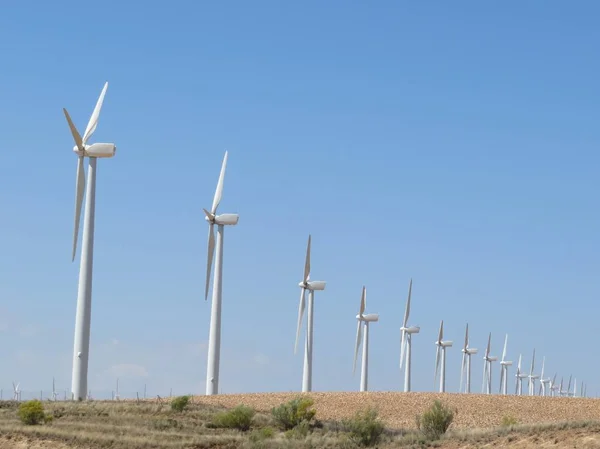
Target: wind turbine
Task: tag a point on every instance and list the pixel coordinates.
(574, 394)
(16, 392)
(532, 377)
(311, 286)
(54, 393)
(504, 364)
(84, 293)
(553, 386)
(561, 392)
(544, 382)
(441, 346)
(487, 368)
(214, 337)
(466, 362)
(405, 344)
(520, 376)
(366, 319)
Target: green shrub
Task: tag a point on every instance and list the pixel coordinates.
(365, 428)
(435, 421)
(180, 403)
(239, 418)
(264, 433)
(299, 432)
(509, 420)
(32, 412)
(292, 413)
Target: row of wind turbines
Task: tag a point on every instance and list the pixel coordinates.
(79, 386)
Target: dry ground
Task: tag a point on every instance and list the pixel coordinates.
(547, 422)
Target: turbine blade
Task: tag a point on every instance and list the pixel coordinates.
(363, 301)
(79, 189)
(307, 260)
(466, 338)
(357, 345)
(504, 350)
(487, 351)
(501, 379)
(74, 131)
(219, 190)
(437, 362)
(209, 261)
(407, 311)
(93, 123)
(300, 315)
(441, 333)
(532, 362)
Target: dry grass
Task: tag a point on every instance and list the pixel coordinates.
(149, 424)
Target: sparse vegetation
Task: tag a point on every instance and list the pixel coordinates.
(180, 403)
(509, 421)
(294, 413)
(32, 413)
(435, 421)
(365, 428)
(239, 418)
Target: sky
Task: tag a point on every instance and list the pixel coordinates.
(451, 143)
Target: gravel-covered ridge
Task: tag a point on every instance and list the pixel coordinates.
(398, 410)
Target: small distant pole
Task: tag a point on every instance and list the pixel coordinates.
(41, 393)
(144, 391)
(137, 395)
(170, 392)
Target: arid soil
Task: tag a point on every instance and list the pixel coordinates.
(398, 410)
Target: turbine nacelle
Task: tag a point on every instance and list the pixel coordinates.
(411, 330)
(491, 358)
(99, 150)
(446, 344)
(470, 351)
(313, 285)
(505, 363)
(369, 318)
(223, 219)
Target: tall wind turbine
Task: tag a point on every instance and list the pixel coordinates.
(366, 319)
(504, 364)
(532, 377)
(553, 386)
(544, 382)
(487, 368)
(311, 286)
(441, 346)
(466, 363)
(405, 344)
(520, 376)
(214, 337)
(84, 294)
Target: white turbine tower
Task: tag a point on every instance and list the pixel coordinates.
(16, 392)
(504, 364)
(311, 286)
(553, 386)
(544, 382)
(466, 363)
(520, 376)
(532, 377)
(487, 368)
(214, 337)
(441, 346)
(84, 293)
(406, 341)
(366, 319)
(574, 394)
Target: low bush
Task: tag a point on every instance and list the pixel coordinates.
(299, 432)
(264, 433)
(365, 428)
(508, 421)
(293, 413)
(180, 403)
(32, 413)
(239, 418)
(434, 422)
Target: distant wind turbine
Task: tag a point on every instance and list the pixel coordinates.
(406, 341)
(441, 345)
(544, 382)
(466, 363)
(363, 320)
(504, 364)
(532, 377)
(487, 368)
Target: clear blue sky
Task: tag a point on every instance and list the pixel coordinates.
(456, 144)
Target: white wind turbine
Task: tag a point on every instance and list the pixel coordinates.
(532, 377)
(487, 368)
(406, 341)
(553, 386)
(574, 394)
(84, 293)
(441, 345)
(311, 286)
(366, 319)
(544, 382)
(561, 392)
(54, 393)
(466, 363)
(520, 376)
(504, 364)
(214, 337)
(16, 392)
